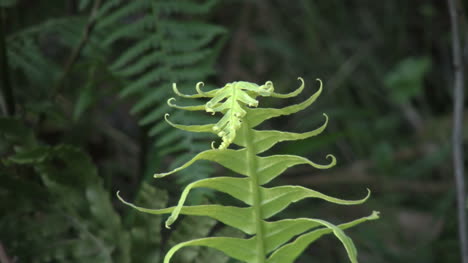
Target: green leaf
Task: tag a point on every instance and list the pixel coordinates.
(256, 116)
(291, 94)
(268, 167)
(207, 254)
(8, 3)
(264, 140)
(237, 248)
(145, 229)
(272, 166)
(279, 232)
(86, 98)
(186, 7)
(231, 159)
(191, 128)
(236, 187)
(190, 228)
(81, 221)
(289, 252)
(274, 199)
(134, 52)
(143, 64)
(170, 102)
(277, 198)
(240, 218)
(31, 155)
(120, 13)
(16, 132)
(83, 4)
(405, 81)
(152, 115)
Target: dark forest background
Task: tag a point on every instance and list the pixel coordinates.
(84, 91)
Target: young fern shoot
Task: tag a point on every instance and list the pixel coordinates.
(269, 241)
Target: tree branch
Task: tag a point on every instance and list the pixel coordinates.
(457, 136)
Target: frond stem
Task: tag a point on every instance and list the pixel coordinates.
(255, 186)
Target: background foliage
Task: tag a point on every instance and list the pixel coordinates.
(85, 85)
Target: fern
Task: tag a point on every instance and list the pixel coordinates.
(35, 70)
(25, 52)
(169, 42)
(78, 206)
(270, 241)
(60, 183)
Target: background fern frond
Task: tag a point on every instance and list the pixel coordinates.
(169, 44)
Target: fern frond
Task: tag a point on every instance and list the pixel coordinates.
(116, 16)
(185, 7)
(26, 51)
(26, 55)
(169, 42)
(271, 240)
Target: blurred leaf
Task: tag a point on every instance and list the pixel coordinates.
(383, 158)
(191, 228)
(405, 80)
(30, 156)
(211, 255)
(7, 3)
(146, 229)
(428, 10)
(83, 4)
(86, 98)
(14, 131)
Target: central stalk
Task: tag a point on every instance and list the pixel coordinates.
(255, 189)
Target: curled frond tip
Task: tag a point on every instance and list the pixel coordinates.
(301, 80)
(174, 88)
(319, 80)
(291, 94)
(176, 91)
(170, 102)
(333, 160)
(198, 88)
(166, 117)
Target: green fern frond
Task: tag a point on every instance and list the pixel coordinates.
(169, 42)
(114, 17)
(25, 49)
(270, 241)
(229, 100)
(186, 7)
